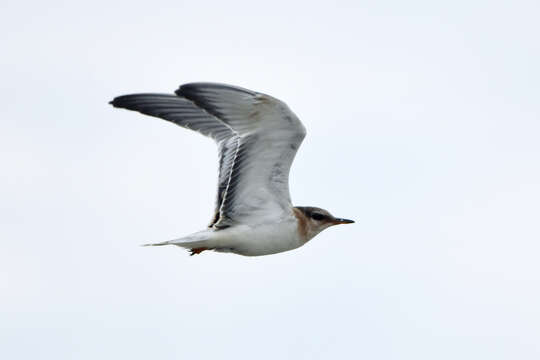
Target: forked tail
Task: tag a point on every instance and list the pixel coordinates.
(159, 243)
(196, 240)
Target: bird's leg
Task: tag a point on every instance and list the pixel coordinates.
(195, 251)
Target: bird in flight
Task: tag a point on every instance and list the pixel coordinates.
(257, 137)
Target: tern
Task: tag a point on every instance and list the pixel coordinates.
(257, 138)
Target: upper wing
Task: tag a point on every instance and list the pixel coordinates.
(257, 136)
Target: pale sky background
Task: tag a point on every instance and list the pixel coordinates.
(423, 126)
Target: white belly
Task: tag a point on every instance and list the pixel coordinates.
(258, 240)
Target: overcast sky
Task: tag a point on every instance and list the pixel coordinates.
(423, 126)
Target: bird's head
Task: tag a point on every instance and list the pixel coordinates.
(313, 220)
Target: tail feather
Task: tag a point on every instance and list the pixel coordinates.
(196, 240)
(159, 243)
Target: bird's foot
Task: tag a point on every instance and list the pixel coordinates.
(195, 251)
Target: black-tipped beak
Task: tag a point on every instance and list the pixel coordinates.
(343, 221)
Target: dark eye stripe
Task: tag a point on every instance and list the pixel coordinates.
(317, 216)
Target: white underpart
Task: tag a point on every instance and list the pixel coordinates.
(248, 240)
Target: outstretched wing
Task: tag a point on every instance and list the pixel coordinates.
(257, 137)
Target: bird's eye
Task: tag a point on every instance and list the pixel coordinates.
(317, 216)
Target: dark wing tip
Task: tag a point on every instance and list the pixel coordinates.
(136, 101)
(194, 88)
(122, 101)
